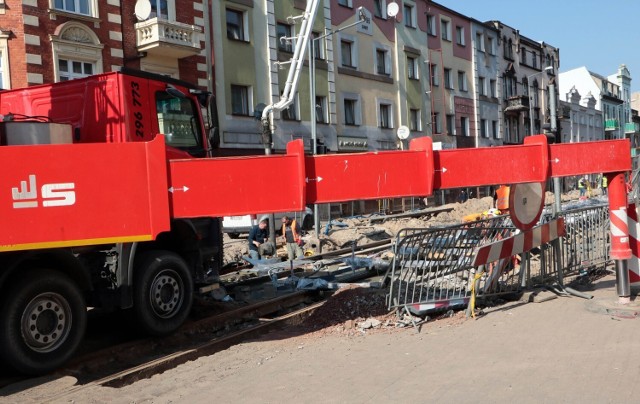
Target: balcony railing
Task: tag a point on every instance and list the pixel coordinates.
(168, 38)
(517, 104)
(611, 124)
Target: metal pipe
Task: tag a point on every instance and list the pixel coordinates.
(578, 293)
(623, 286)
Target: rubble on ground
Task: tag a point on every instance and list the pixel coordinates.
(357, 231)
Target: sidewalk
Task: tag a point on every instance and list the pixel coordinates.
(561, 350)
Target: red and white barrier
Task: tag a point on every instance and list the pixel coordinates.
(520, 243)
(634, 243)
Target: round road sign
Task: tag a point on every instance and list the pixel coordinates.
(525, 204)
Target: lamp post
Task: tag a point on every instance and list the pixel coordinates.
(546, 69)
(362, 17)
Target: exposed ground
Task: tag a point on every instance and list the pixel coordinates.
(360, 230)
(563, 350)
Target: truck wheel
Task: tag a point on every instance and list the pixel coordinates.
(43, 321)
(163, 292)
(234, 235)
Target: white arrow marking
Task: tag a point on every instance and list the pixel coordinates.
(318, 178)
(183, 189)
(444, 170)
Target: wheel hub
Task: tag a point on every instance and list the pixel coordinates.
(46, 322)
(166, 294)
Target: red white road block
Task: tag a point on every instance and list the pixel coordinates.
(634, 231)
(520, 243)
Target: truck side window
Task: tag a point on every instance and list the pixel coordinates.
(178, 121)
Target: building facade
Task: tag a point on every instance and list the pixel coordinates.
(45, 41)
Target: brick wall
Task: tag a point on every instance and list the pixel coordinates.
(12, 21)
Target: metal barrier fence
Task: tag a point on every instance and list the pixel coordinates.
(433, 268)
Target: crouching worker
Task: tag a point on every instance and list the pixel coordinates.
(291, 234)
(259, 244)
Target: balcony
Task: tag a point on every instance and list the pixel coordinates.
(630, 127)
(517, 104)
(168, 38)
(611, 124)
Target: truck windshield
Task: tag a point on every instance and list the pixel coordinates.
(178, 121)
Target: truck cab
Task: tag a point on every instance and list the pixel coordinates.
(122, 106)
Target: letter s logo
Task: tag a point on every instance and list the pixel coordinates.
(58, 194)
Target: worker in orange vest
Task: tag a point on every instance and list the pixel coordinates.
(501, 199)
(293, 241)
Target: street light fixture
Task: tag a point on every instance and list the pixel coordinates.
(546, 69)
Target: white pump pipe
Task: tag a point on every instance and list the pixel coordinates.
(296, 64)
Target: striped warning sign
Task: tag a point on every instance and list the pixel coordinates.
(520, 243)
(634, 231)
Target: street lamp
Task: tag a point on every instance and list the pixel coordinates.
(546, 69)
(362, 17)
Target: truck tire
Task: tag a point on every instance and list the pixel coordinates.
(43, 320)
(234, 235)
(163, 292)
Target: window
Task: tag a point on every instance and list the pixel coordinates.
(492, 45)
(445, 30)
(77, 51)
(482, 82)
(380, 8)
(510, 87)
(73, 69)
(448, 80)
(285, 43)
(460, 36)
(492, 88)
(345, 3)
(523, 55)
(464, 126)
(534, 60)
(346, 51)
(175, 121)
(349, 112)
(484, 128)
(236, 26)
(409, 18)
(436, 125)
(414, 120)
(508, 48)
(382, 67)
(431, 25)
(385, 116)
(450, 125)
(240, 100)
(412, 68)
(73, 6)
(433, 71)
(291, 112)
(462, 81)
(525, 86)
(480, 41)
(494, 129)
(318, 49)
(321, 109)
(160, 9)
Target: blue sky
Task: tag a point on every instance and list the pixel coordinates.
(597, 34)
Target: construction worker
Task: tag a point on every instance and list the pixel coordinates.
(604, 184)
(259, 244)
(293, 241)
(582, 186)
(501, 199)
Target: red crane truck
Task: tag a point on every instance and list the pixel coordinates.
(99, 211)
(85, 224)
